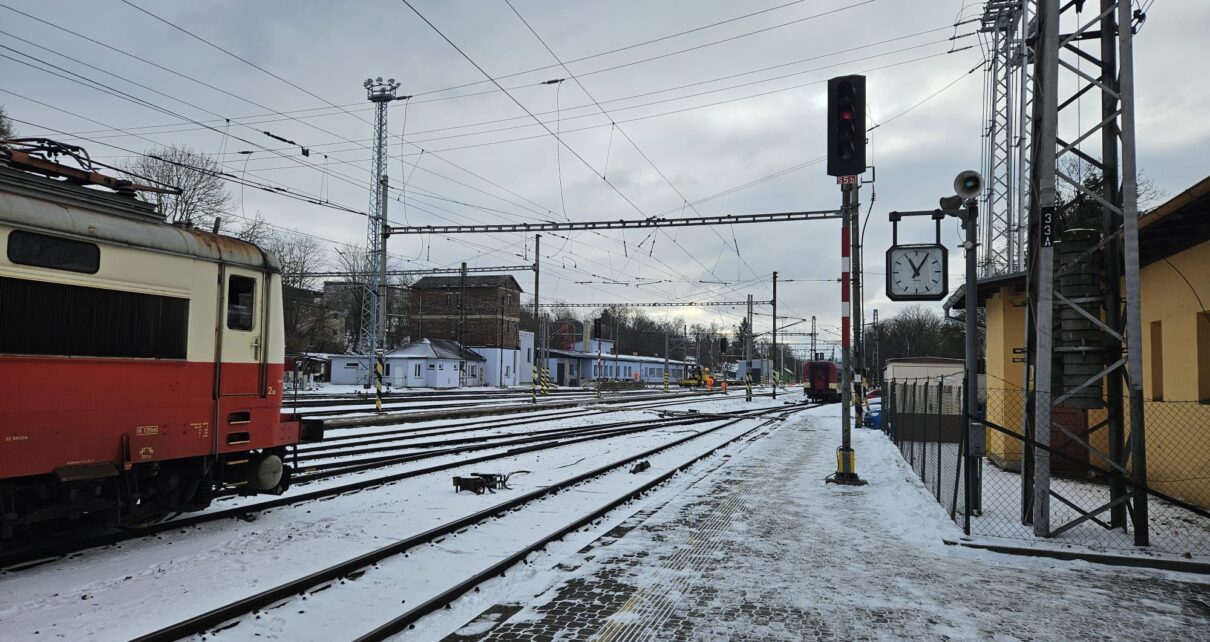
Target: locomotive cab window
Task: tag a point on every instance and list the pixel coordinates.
(241, 297)
(40, 250)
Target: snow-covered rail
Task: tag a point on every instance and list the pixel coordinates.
(678, 454)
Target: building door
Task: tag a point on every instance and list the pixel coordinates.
(242, 334)
(561, 374)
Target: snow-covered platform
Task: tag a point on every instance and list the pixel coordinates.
(762, 549)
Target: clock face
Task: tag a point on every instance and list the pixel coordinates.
(917, 272)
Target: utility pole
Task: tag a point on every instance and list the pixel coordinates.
(814, 355)
(371, 336)
(537, 322)
(775, 361)
(665, 358)
(462, 325)
(876, 366)
(748, 338)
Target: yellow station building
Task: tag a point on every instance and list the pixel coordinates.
(1175, 291)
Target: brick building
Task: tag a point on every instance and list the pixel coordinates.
(492, 310)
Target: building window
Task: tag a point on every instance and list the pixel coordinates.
(386, 369)
(70, 320)
(507, 371)
(472, 371)
(449, 298)
(40, 250)
(1157, 360)
(241, 291)
(351, 364)
(529, 358)
(417, 370)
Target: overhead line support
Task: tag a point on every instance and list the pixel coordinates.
(620, 224)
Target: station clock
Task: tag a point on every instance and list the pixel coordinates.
(917, 272)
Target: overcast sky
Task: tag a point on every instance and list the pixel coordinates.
(706, 109)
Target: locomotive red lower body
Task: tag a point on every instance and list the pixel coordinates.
(127, 441)
(821, 381)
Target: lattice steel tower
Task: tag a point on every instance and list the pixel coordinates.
(1085, 346)
(1006, 30)
(381, 94)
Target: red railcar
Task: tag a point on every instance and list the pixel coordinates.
(821, 380)
(140, 362)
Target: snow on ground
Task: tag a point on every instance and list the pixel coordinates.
(99, 593)
(1175, 532)
(357, 606)
(763, 549)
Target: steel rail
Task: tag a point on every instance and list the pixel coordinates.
(406, 434)
(416, 416)
(444, 599)
(526, 445)
(222, 614)
(28, 557)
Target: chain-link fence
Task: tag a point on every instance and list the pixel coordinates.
(1093, 497)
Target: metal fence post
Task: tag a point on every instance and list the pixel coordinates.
(915, 422)
(924, 451)
(964, 469)
(940, 419)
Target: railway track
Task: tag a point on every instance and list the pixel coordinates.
(231, 614)
(486, 404)
(17, 559)
(346, 445)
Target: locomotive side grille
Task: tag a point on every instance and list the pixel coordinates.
(39, 318)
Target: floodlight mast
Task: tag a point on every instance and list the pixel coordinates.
(372, 335)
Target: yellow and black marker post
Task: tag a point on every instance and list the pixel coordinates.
(545, 381)
(533, 384)
(379, 368)
(748, 387)
(665, 380)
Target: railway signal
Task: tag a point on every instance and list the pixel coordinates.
(846, 125)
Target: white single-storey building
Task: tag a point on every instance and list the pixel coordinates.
(506, 367)
(573, 368)
(425, 363)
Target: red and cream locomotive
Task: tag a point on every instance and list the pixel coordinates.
(821, 380)
(140, 362)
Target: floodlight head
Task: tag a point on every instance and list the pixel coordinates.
(968, 184)
(390, 81)
(378, 79)
(367, 83)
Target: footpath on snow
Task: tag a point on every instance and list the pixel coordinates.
(761, 549)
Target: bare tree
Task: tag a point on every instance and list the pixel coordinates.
(6, 126)
(257, 231)
(203, 195)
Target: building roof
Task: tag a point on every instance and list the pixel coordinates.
(606, 356)
(927, 360)
(472, 281)
(434, 349)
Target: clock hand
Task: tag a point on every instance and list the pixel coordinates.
(915, 268)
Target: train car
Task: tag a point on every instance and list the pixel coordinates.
(141, 363)
(821, 380)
